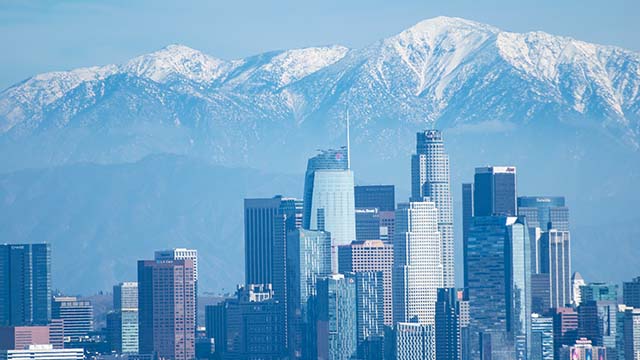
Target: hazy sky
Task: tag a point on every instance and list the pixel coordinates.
(40, 35)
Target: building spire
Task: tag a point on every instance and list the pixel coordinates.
(348, 143)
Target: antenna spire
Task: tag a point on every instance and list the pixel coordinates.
(348, 143)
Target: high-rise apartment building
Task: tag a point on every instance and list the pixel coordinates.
(417, 272)
(166, 308)
(336, 317)
(77, 316)
(368, 256)
(415, 341)
(329, 199)
(430, 179)
(308, 258)
(25, 284)
(631, 293)
(498, 285)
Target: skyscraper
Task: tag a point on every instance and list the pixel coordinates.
(632, 334)
(77, 316)
(166, 303)
(447, 325)
(599, 291)
(415, 341)
(25, 284)
(498, 275)
(555, 260)
(370, 314)
(417, 271)
(308, 258)
(541, 337)
(375, 196)
(577, 282)
(565, 329)
(367, 224)
(597, 321)
(336, 317)
(329, 199)
(631, 293)
(430, 179)
(494, 191)
(215, 323)
(367, 256)
(122, 322)
(545, 212)
(467, 217)
(253, 325)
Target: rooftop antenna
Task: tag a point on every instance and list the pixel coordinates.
(348, 144)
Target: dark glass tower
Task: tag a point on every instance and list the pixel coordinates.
(494, 191)
(448, 345)
(25, 284)
(376, 196)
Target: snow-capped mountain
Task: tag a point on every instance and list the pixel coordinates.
(450, 72)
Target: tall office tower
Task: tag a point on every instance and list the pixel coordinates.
(329, 200)
(308, 258)
(122, 322)
(597, 322)
(565, 329)
(464, 320)
(467, 216)
(417, 272)
(631, 293)
(583, 350)
(540, 293)
(367, 224)
(336, 317)
(447, 325)
(498, 275)
(494, 191)
(77, 316)
(253, 325)
(556, 261)
(415, 341)
(166, 308)
(266, 224)
(370, 314)
(430, 178)
(598, 291)
(620, 316)
(577, 282)
(367, 256)
(632, 334)
(25, 284)
(545, 212)
(382, 197)
(541, 337)
(215, 324)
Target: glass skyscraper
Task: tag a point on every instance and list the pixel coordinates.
(370, 314)
(336, 317)
(122, 323)
(555, 260)
(417, 271)
(541, 337)
(308, 258)
(494, 191)
(25, 284)
(430, 179)
(498, 276)
(545, 212)
(329, 198)
(376, 196)
(447, 325)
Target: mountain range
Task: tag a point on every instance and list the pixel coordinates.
(565, 112)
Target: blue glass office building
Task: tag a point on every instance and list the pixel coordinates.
(545, 212)
(370, 314)
(336, 319)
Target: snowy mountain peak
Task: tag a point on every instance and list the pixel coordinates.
(180, 60)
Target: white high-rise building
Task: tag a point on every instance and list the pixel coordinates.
(417, 271)
(576, 282)
(430, 179)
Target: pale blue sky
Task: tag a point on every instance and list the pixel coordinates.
(38, 35)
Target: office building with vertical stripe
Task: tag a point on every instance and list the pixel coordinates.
(25, 284)
(555, 260)
(166, 308)
(336, 317)
(122, 322)
(430, 179)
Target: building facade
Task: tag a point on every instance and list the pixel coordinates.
(555, 260)
(447, 325)
(25, 284)
(632, 334)
(370, 314)
(336, 318)
(415, 341)
(166, 308)
(545, 212)
(541, 337)
(631, 293)
(430, 179)
(77, 316)
(382, 197)
(368, 256)
(418, 271)
(122, 322)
